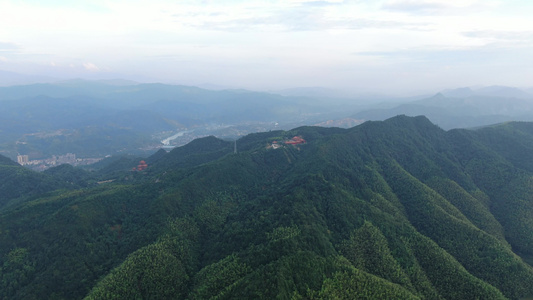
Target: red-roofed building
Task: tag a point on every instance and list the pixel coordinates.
(295, 141)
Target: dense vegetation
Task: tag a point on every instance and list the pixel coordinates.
(17, 182)
(399, 209)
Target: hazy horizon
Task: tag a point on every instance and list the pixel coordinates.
(382, 47)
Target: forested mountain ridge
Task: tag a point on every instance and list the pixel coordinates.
(398, 209)
(18, 182)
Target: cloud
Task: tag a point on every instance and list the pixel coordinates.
(3, 59)
(8, 47)
(436, 7)
(91, 67)
(381, 24)
(414, 5)
(320, 3)
(525, 36)
(494, 53)
(305, 16)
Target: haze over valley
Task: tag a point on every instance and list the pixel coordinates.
(95, 119)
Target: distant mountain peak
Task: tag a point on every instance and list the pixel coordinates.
(492, 91)
(459, 92)
(503, 91)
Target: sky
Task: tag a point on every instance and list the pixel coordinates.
(377, 46)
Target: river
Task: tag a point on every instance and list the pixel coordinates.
(166, 142)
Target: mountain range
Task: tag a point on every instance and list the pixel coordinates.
(462, 108)
(93, 119)
(395, 209)
(41, 120)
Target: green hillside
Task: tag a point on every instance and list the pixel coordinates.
(18, 183)
(398, 209)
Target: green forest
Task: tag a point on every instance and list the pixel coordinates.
(394, 209)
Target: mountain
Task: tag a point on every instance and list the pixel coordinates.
(17, 182)
(154, 95)
(462, 108)
(503, 91)
(313, 92)
(75, 116)
(459, 92)
(12, 78)
(395, 209)
(491, 91)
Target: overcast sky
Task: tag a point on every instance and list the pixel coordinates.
(385, 46)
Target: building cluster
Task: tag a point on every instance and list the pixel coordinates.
(141, 167)
(22, 159)
(69, 158)
(55, 160)
(294, 141)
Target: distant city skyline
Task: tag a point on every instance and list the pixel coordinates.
(387, 46)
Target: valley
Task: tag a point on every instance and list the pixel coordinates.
(99, 119)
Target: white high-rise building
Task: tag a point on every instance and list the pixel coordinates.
(22, 159)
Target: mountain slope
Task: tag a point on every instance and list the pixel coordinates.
(395, 209)
(18, 182)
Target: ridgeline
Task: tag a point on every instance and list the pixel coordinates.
(395, 209)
